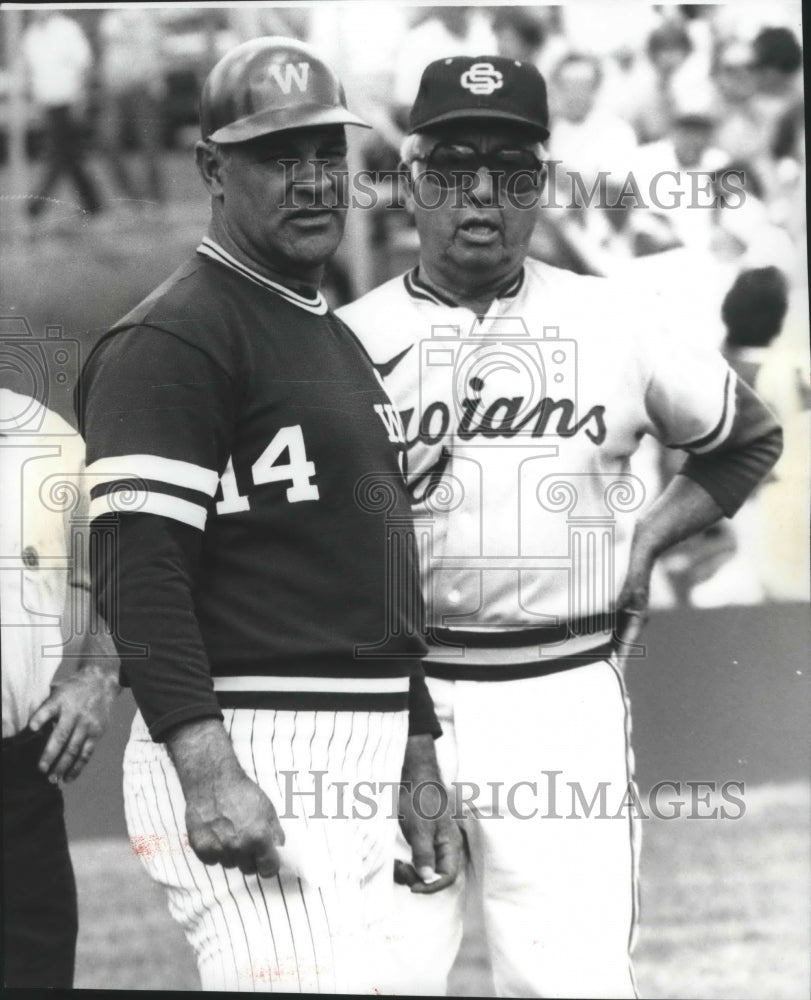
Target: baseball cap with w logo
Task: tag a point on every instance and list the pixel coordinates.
(271, 84)
(486, 87)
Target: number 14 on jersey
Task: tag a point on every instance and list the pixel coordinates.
(268, 468)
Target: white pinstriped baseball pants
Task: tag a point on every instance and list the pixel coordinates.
(318, 925)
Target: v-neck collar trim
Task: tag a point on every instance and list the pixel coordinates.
(418, 289)
(316, 304)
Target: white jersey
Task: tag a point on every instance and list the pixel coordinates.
(520, 428)
(41, 460)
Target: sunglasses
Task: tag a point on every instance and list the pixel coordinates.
(456, 164)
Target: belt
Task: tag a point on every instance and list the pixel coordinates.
(540, 635)
(517, 671)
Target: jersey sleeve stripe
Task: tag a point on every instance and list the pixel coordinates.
(166, 470)
(337, 685)
(147, 502)
(150, 486)
(721, 430)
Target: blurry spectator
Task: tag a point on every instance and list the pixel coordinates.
(789, 139)
(591, 26)
(696, 19)
(740, 131)
(521, 33)
(788, 201)
(530, 34)
(132, 78)
(58, 60)
(764, 561)
(778, 61)
(727, 232)
(651, 88)
(583, 138)
(643, 72)
(761, 104)
(744, 235)
(585, 142)
(692, 134)
(679, 169)
(730, 563)
(745, 20)
(753, 313)
(438, 32)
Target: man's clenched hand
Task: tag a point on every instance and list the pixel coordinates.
(229, 819)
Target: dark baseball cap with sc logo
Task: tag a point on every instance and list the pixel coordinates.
(485, 87)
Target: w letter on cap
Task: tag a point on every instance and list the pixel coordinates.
(482, 78)
(293, 73)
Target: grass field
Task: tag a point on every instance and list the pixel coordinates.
(725, 911)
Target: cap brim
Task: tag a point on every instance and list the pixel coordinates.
(492, 114)
(283, 120)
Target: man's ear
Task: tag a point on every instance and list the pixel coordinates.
(209, 162)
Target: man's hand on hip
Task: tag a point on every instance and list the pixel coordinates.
(427, 822)
(229, 819)
(80, 708)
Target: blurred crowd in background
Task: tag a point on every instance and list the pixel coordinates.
(637, 89)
